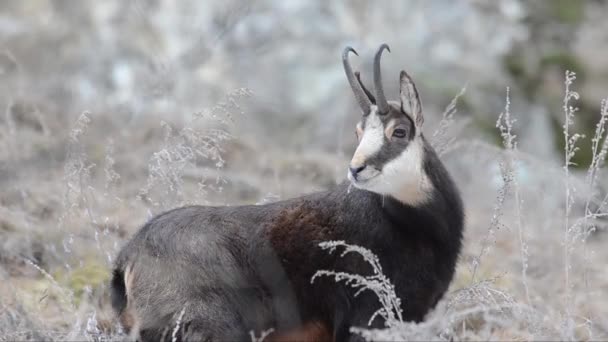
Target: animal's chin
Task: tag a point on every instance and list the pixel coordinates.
(362, 183)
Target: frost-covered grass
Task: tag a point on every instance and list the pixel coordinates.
(390, 305)
(530, 269)
(112, 112)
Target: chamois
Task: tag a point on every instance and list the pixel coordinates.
(203, 273)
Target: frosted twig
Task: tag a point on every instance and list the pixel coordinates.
(570, 150)
(378, 283)
(439, 137)
(263, 335)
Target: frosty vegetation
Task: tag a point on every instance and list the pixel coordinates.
(114, 113)
(482, 304)
(378, 283)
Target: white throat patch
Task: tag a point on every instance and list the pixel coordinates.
(404, 177)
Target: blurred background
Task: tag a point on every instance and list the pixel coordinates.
(114, 111)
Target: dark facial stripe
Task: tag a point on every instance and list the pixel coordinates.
(392, 147)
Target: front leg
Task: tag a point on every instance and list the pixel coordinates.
(357, 314)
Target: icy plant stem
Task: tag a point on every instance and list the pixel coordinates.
(262, 337)
(177, 325)
(569, 152)
(567, 203)
(505, 125)
(599, 150)
(523, 247)
(440, 140)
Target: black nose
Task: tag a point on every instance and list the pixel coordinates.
(355, 170)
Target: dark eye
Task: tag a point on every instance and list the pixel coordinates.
(399, 133)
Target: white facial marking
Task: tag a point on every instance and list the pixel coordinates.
(371, 141)
(390, 126)
(359, 129)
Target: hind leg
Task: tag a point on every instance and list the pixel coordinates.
(193, 331)
(200, 322)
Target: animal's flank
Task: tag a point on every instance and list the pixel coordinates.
(303, 220)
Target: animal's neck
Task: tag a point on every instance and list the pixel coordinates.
(439, 216)
(397, 211)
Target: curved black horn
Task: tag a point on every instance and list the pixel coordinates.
(362, 99)
(380, 98)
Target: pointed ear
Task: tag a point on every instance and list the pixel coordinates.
(410, 100)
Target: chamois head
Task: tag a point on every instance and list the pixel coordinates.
(390, 155)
